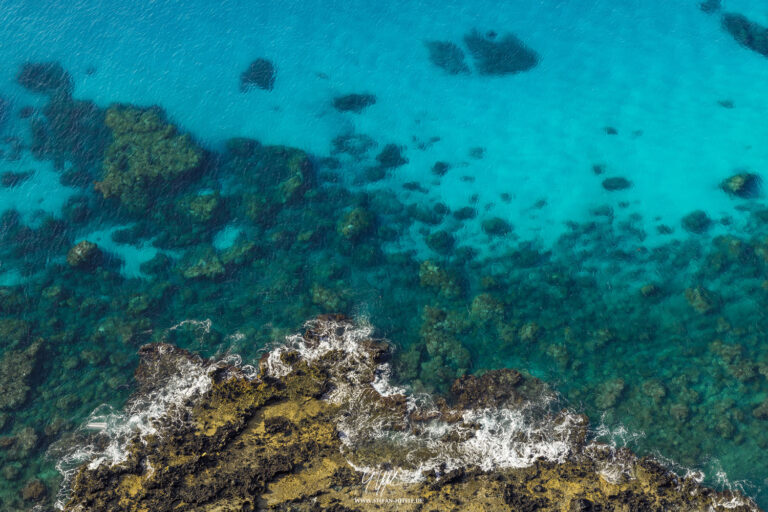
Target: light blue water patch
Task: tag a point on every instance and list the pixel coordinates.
(39, 195)
(653, 67)
(227, 237)
(131, 256)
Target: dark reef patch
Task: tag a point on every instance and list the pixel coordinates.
(743, 184)
(746, 32)
(10, 179)
(260, 73)
(616, 183)
(697, 222)
(447, 56)
(391, 156)
(44, 78)
(493, 56)
(353, 102)
(496, 226)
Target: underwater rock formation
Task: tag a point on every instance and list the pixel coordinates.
(260, 73)
(84, 255)
(16, 368)
(504, 56)
(320, 427)
(146, 154)
(746, 32)
(616, 183)
(353, 102)
(496, 226)
(743, 184)
(710, 6)
(447, 56)
(44, 78)
(10, 179)
(697, 222)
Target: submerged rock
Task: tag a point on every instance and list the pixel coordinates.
(16, 369)
(10, 179)
(353, 102)
(500, 56)
(618, 183)
(697, 222)
(743, 184)
(84, 255)
(44, 78)
(747, 33)
(391, 156)
(710, 6)
(145, 155)
(321, 428)
(447, 56)
(496, 226)
(260, 73)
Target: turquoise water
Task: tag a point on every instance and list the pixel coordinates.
(655, 330)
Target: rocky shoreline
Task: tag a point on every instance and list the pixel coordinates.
(318, 426)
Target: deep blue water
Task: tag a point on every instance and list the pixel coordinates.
(651, 324)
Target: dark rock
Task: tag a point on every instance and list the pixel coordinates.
(353, 102)
(414, 186)
(391, 157)
(617, 183)
(261, 73)
(11, 179)
(747, 33)
(441, 209)
(84, 255)
(465, 213)
(697, 222)
(441, 242)
(500, 56)
(496, 226)
(440, 168)
(44, 78)
(447, 56)
(710, 6)
(744, 184)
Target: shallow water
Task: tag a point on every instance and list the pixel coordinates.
(645, 325)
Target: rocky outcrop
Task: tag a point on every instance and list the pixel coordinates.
(319, 426)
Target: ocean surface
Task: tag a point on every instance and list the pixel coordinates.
(574, 189)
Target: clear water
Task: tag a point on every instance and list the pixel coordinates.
(685, 101)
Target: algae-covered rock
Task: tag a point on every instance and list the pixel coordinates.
(202, 263)
(16, 369)
(146, 153)
(743, 184)
(701, 299)
(355, 223)
(84, 255)
(320, 428)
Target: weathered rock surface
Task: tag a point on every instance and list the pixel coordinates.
(321, 428)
